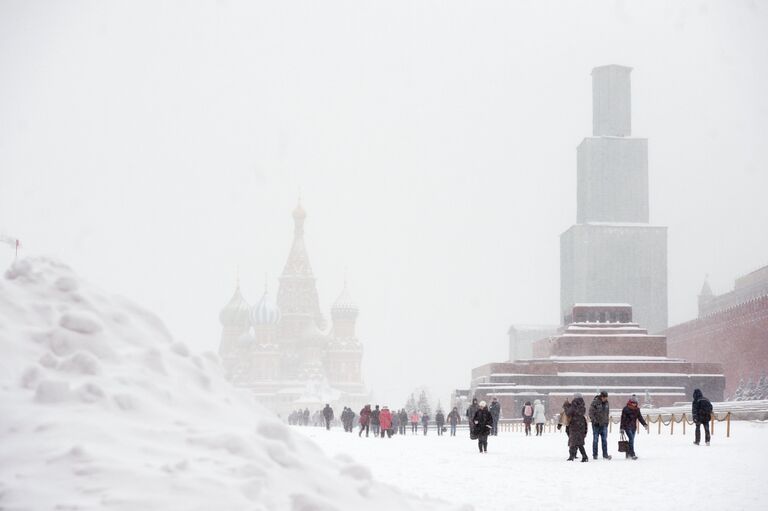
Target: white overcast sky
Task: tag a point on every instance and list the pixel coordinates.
(157, 146)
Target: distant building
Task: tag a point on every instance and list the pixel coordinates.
(732, 328)
(283, 352)
(522, 337)
(612, 253)
(601, 348)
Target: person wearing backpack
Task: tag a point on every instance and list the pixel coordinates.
(527, 414)
(701, 410)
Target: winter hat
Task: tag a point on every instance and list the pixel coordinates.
(604, 394)
(482, 404)
(576, 394)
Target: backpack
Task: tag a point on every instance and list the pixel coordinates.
(705, 409)
(528, 411)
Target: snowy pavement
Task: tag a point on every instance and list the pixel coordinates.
(520, 472)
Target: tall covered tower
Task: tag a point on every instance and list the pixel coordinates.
(297, 296)
(612, 254)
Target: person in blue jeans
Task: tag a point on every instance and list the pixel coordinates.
(599, 415)
(453, 419)
(630, 415)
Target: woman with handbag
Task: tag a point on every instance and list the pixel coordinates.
(630, 415)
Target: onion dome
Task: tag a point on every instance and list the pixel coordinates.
(265, 312)
(236, 312)
(299, 213)
(344, 304)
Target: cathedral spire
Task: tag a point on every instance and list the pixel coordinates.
(297, 295)
(299, 215)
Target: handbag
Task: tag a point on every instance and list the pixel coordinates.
(623, 443)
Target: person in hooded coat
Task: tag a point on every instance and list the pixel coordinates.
(471, 411)
(495, 410)
(328, 416)
(365, 420)
(539, 417)
(630, 415)
(403, 421)
(577, 427)
(425, 422)
(483, 424)
(701, 411)
(385, 422)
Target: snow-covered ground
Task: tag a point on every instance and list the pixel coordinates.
(100, 408)
(531, 473)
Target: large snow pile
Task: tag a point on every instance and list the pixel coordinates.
(102, 409)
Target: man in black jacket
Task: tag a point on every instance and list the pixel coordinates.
(599, 415)
(328, 415)
(701, 410)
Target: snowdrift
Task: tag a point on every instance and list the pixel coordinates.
(102, 409)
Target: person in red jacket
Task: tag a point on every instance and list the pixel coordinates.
(385, 420)
(365, 420)
(415, 422)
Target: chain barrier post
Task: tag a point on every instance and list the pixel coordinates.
(728, 425)
(684, 421)
(672, 424)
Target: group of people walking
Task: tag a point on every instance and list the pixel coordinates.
(534, 413)
(384, 422)
(483, 422)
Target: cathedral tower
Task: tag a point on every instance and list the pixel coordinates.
(345, 353)
(297, 295)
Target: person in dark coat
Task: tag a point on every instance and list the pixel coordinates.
(403, 421)
(305, 416)
(375, 424)
(453, 419)
(365, 420)
(425, 422)
(577, 427)
(440, 421)
(328, 416)
(395, 422)
(527, 414)
(630, 415)
(701, 411)
(599, 415)
(495, 410)
(471, 411)
(482, 422)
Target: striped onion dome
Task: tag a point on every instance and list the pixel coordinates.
(344, 303)
(265, 312)
(236, 312)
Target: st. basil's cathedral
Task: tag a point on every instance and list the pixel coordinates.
(284, 352)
